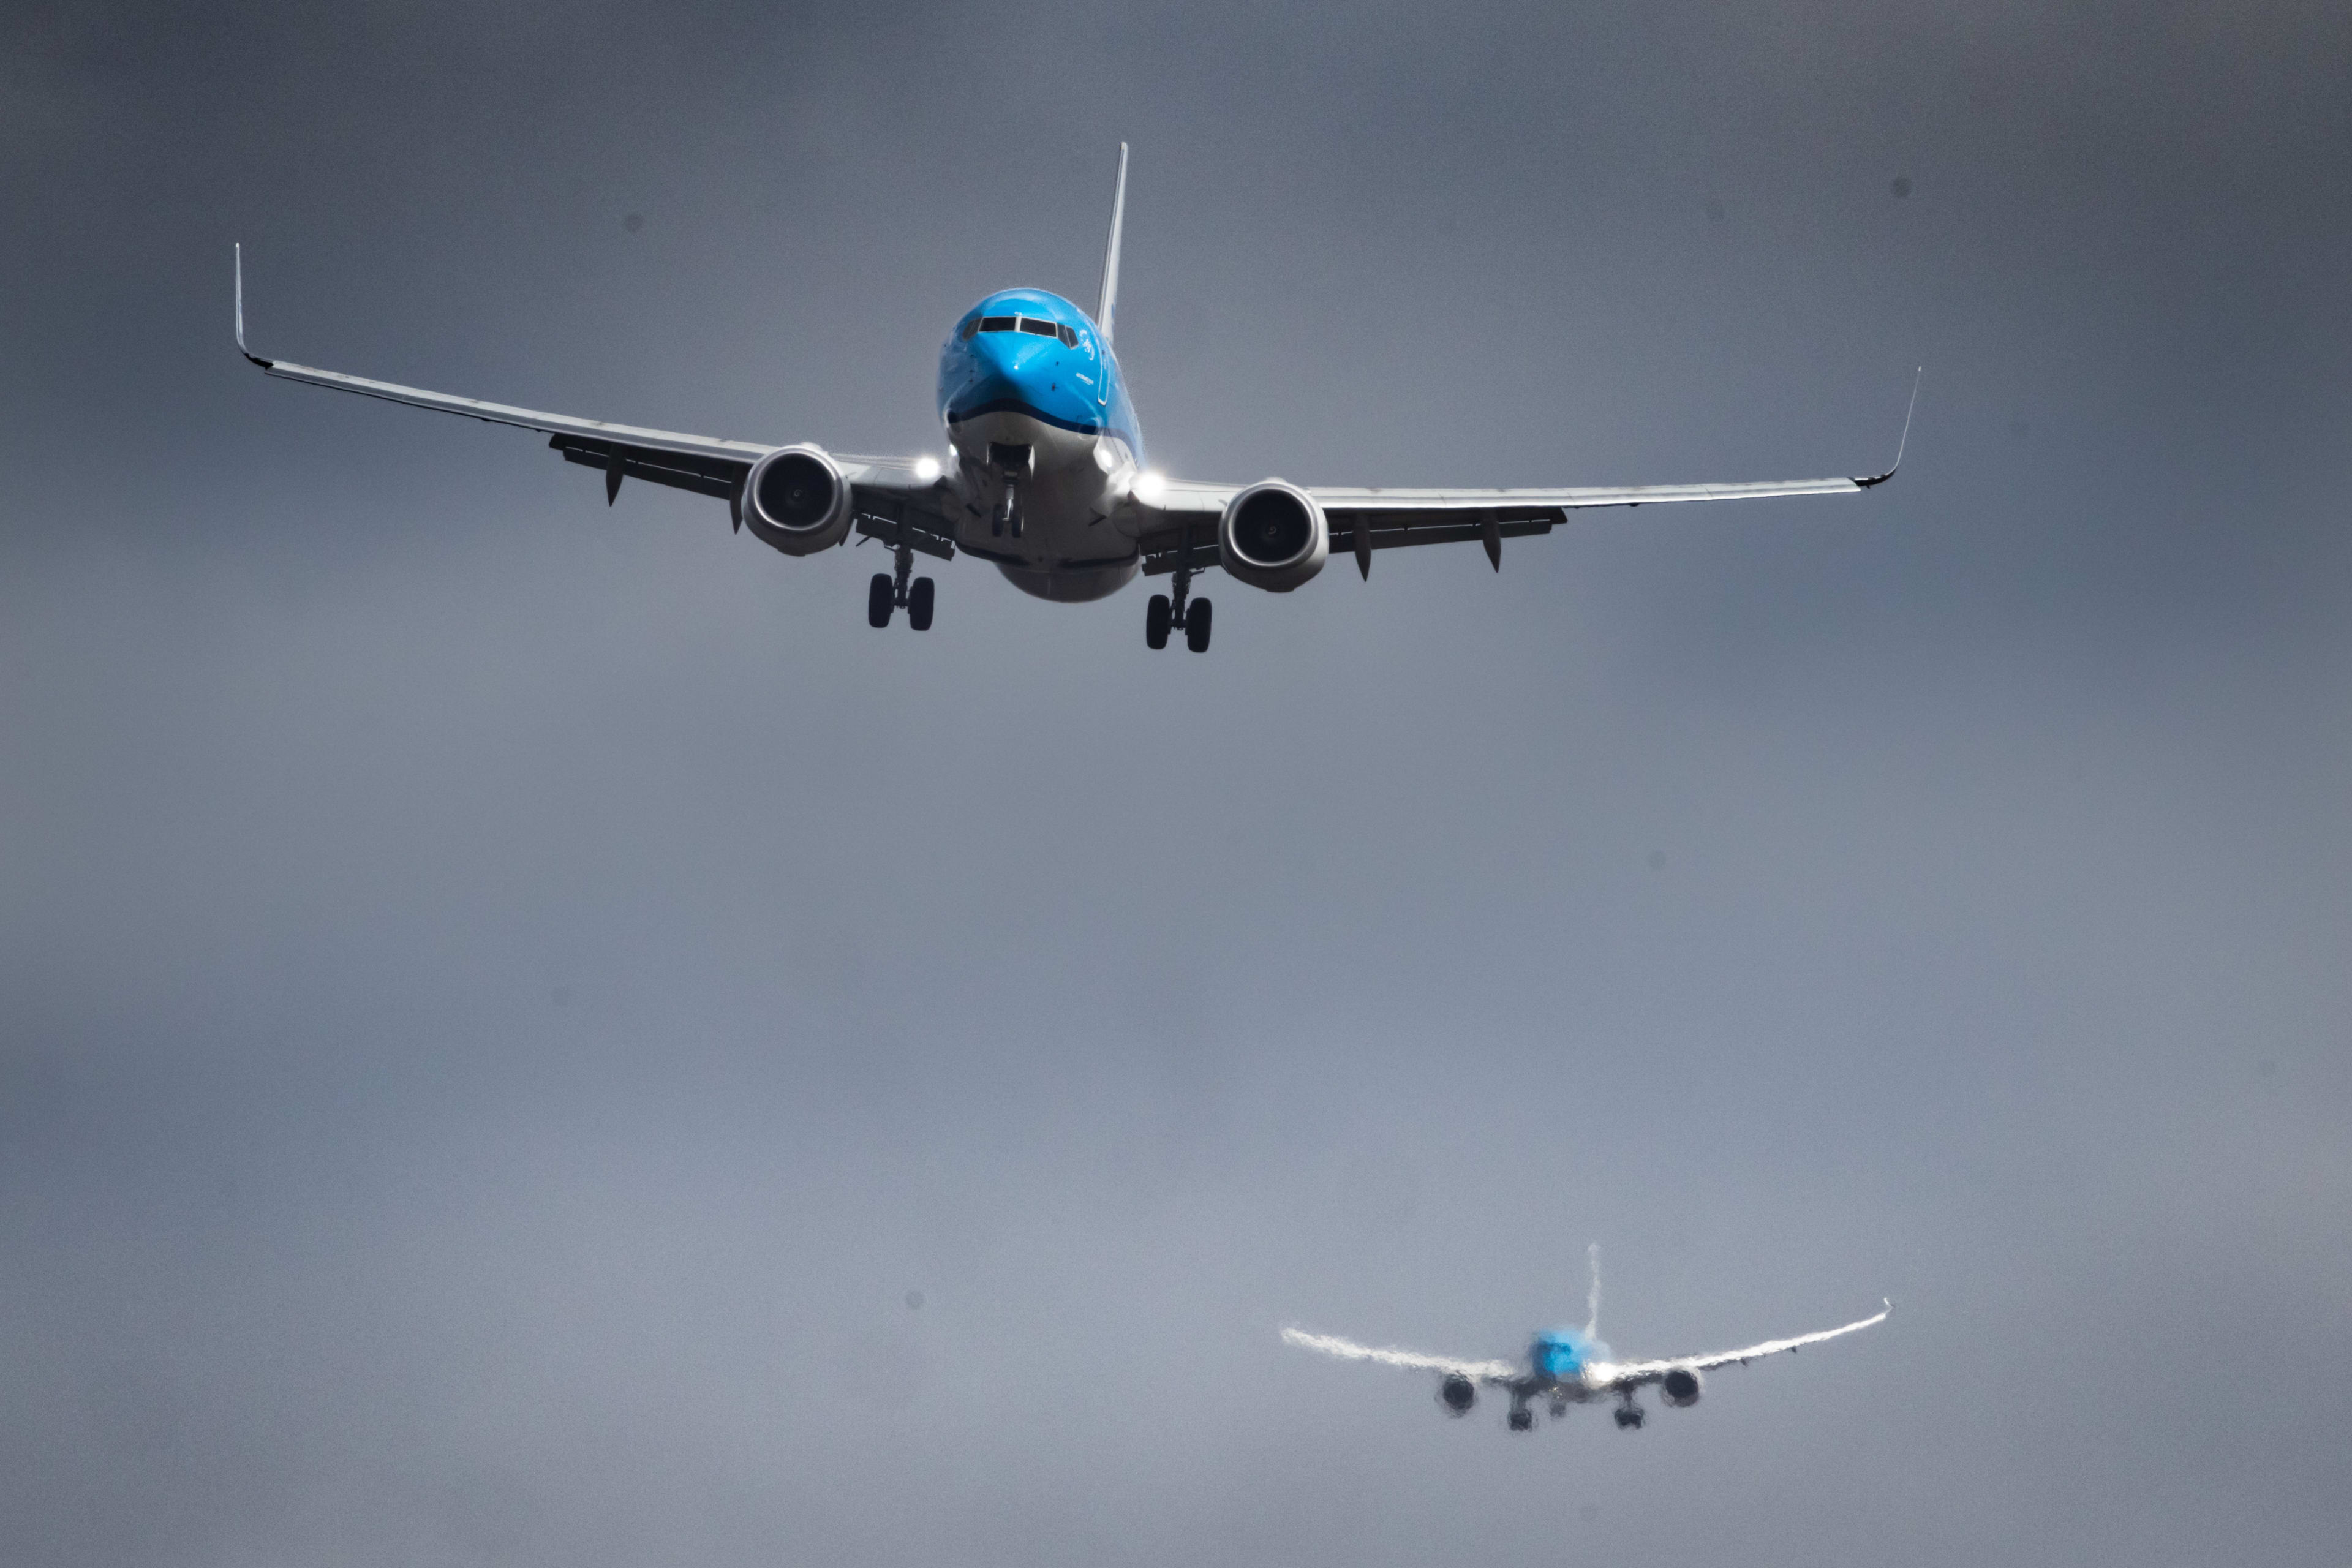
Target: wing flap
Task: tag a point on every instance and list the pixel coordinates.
(718, 477)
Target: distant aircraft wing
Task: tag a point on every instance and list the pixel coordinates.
(1634, 1374)
(1179, 525)
(1348, 1350)
(707, 464)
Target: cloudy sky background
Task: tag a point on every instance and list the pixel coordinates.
(507, 1002)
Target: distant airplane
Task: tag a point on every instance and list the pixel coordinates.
(1570, 1367)
(1047, 481)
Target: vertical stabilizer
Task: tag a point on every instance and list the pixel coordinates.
(1592, 1296)
(1109, 300)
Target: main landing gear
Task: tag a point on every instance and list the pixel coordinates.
(889, 590)
(1161, 614)
(1522, 1418)
(1628, 1416)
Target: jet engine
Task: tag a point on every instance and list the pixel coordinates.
(1457, 1394)
(1679, 1387)
(796, 500)
(1272, 536)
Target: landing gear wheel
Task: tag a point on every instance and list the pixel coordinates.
(877, 600)
(1155, 622)
(919, 604)
(1629, 1417)
(1522, 1419)
(1196, 625)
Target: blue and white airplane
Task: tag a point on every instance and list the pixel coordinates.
(1046, 477)
(1570, 1367)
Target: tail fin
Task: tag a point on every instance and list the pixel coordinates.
(1108, 302)
(1592, 1296)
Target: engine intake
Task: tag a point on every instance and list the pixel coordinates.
(797, 500)
(1679, 1388)
(1272, 536)
(1457, 1394)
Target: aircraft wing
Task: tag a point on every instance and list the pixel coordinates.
(707, 464)
(1634, 1374)
(1348, 1350)
(1180, 526)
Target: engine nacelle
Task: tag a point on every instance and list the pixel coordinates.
(1680, 1387)
(1272, 536)
(797, 499)
(1457, 1394)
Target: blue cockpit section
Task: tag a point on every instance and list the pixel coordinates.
(1563, 1354)
(1031, 352)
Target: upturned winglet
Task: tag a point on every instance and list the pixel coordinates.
(240, 311)
(1905, 441)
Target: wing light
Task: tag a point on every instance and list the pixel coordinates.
(1151, 488)
(927, 467)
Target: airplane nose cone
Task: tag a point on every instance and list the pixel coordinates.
(1004, 366)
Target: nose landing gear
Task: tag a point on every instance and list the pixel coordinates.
(890, 590)
(1162, 613)
(1011, 464)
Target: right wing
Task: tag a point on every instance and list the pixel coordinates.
(1348, 1350)
(891, 495)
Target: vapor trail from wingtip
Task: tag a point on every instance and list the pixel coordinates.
(1348, 1350)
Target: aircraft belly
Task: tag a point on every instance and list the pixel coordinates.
(1068, 549)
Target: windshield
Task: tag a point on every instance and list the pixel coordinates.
(1069, 335)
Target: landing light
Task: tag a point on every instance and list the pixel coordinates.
(1149, 487)
(927, 467)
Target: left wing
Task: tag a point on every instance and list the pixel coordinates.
(1634, 1374)
(1179, 525)
(1348, 1350)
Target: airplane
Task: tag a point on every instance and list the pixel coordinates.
(1570, 1367)
(1046, 477)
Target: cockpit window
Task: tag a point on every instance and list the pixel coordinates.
(969, 327)
(1069, 335)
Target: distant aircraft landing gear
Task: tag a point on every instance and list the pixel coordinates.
(1628, 1416)
(1522, 1418)
(889, 590)
(1162, 612)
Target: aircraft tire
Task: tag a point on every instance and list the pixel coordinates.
(877, 600)
(919, 604)
(1155, 622)
(1196, 625)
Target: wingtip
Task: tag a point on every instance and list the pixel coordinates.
(1902, 445)
(239, 247)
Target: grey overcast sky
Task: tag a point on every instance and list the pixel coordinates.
(509, 1004)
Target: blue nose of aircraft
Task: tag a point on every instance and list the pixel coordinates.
(1008, 367)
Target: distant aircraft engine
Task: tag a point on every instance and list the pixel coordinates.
(796, 500)
(1272, 536)
(1679, 1388)
(1457, 1394)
